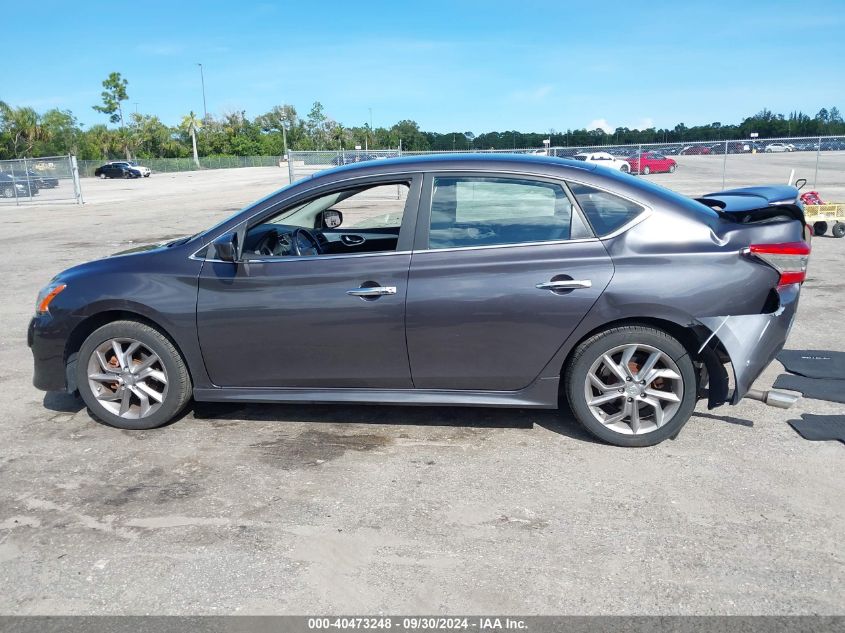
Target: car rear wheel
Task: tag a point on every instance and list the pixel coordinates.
(838, 229)
(131, 376)
(631, 386)
(8, 192)
(672, 169)
(819, 228)
(102, 175)
(646, 170)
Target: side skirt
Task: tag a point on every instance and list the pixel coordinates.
(542, 394)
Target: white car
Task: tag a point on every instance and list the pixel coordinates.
(604, 159)
(779, 147)
(144, 171)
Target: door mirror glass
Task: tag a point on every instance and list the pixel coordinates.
(226, 247)
(328, 219)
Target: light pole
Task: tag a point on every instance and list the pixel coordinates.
(202, 79)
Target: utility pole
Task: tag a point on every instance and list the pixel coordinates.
(202, 79)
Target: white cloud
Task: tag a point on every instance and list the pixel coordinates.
(600, 124)
(643, 124)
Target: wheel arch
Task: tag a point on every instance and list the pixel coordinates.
(691, 336)
(95, 321)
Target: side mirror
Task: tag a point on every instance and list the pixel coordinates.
(328, 219)
(226, 247)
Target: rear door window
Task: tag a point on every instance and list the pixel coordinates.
(486, 211)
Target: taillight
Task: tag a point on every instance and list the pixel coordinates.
(789, 259)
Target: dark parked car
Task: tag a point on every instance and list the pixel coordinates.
(831, 145)
(489, 280)
(347, 158)
(117, 170)
(42, 181)
(16, 187)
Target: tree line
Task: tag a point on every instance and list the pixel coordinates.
(24, 132)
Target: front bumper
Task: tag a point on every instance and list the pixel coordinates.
(47, 343)
(752, 341)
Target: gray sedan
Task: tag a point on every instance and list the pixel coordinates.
(477, 280)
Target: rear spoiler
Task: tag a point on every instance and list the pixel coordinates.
(766, 203)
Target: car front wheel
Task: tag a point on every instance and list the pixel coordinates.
(131, 376)
(631, 385)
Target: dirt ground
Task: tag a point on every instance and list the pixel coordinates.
(366, 509)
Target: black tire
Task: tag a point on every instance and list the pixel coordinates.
(625, 169)
(819, 228)
(592, 349)
(179, 381)
(102, 175)
(646, 170)
(838, 229)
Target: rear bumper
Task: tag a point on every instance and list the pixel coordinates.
(754, 340)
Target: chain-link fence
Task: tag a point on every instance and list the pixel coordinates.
(693, 168)
(49, 179)
(164, 165)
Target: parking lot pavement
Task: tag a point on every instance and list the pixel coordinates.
(361, 509)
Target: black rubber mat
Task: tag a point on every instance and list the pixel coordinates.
(818, 388)
(814, 363)
(820, 427)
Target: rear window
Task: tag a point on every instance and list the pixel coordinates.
(605, 211)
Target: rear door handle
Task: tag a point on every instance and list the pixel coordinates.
(565, 284)
(376, 291)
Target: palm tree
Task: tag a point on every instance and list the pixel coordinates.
(24, 128)
(191, 124)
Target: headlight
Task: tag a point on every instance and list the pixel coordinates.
(47, 294)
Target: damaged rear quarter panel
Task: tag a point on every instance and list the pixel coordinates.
(692, 273)
(753, 340)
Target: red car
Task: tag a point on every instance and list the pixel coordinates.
(651, 163)
(695, 150)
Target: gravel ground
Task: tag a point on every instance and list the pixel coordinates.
(361, 509)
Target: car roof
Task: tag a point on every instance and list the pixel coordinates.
(453, 162)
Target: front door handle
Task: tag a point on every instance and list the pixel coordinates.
(565, 284)
(375, 291)
(352, 240)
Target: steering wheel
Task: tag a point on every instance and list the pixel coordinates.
(297, 246)
(269, 244)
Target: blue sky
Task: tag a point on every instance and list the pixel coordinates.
(449, 65)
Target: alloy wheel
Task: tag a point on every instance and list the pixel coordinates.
(634, 389)
(127, 378)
